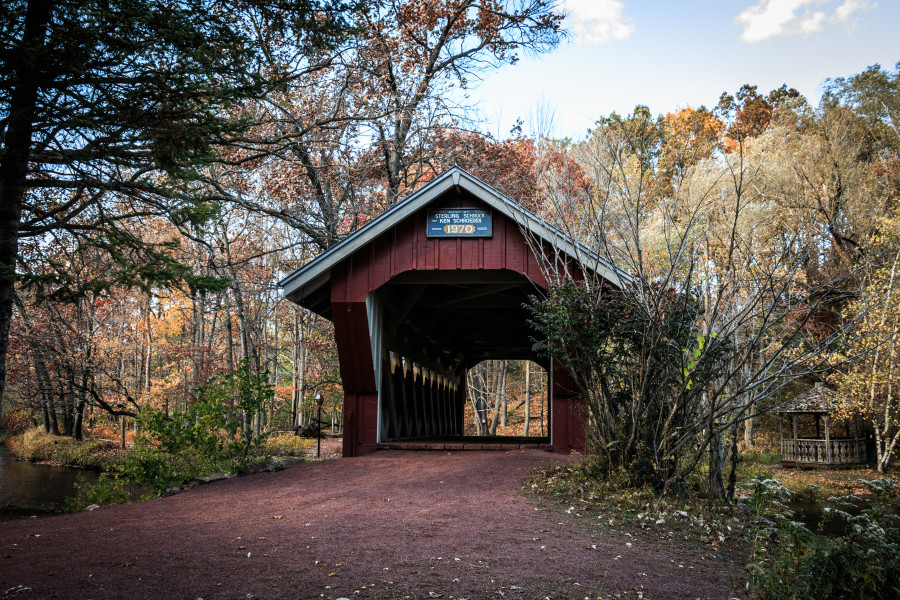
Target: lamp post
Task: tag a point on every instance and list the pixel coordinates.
(122, 407)
(319, 401)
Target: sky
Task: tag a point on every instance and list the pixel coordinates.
(668, 54)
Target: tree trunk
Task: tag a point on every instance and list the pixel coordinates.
(77, 433)
(885, 452)
(748, 433)
(45, 388)
(879, 450)
(14, 156)
(146, 366)
(68, 401)
(734, 460)
(496, 389)
(501, 399)
(51, 411)
(77, 430)
(716, 467)
(476, 384)
(197, 310)
(274, 361)
(298, 370)
(527, 396)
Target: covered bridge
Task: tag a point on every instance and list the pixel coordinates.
(432, 287)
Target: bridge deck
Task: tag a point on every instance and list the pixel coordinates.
(469, 443)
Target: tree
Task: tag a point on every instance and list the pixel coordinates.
(377, 119)
(486, 385)
(871, 385)
(110, 110)
(869, 101)
(415, 48)
(714, 315)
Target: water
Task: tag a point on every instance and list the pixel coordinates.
(812, 515)
(36, 485)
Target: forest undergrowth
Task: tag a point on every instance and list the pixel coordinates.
(850, 549)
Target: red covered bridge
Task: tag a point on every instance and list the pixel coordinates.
(430, 288)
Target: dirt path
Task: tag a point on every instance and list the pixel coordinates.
(389, 525)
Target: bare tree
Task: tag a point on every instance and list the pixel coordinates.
(713, 314)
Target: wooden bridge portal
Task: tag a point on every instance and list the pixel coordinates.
(430, 288)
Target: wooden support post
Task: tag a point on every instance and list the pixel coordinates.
(459, 404)
(426, 401)
(442, 403)
(827, 442)
(406, 405)
(419, 428)
(781, 434)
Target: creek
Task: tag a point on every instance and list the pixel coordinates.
(26, 484)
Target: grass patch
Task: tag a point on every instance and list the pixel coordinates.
(287, 444)
(95, 454)
(113, 433)
(579, 488)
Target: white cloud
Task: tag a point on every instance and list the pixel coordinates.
(768, 19)
(849, 7)
(772, 18)
(597, 21)
(811, 22)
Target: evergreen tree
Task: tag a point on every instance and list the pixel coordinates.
(111, 109)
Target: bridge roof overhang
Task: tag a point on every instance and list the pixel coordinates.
(309, 286)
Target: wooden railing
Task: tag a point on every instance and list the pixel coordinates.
(843, 451)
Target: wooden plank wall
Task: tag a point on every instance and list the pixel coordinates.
(407, 248)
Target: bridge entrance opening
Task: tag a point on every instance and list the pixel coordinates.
(507, 398)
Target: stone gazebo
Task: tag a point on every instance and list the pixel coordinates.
(809, 441)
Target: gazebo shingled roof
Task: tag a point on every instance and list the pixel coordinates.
(818, 399)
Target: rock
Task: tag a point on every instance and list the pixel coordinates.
(273, 465)
(92, 507)
(211, 477)
(251, 469)
(172, 490)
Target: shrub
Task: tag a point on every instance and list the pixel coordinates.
(790, 561)
(35, 445)
(13, 422)
(112, 432)
(214, 434)
(288, 444)
(107, 490)
(642, 364)
(588, 479)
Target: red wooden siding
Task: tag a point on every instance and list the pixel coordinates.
(408, 248)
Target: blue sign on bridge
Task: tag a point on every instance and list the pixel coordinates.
(459, 222)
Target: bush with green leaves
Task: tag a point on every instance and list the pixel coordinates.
(788, 561)
(214, 434)
(642, 364)
(108, 489)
